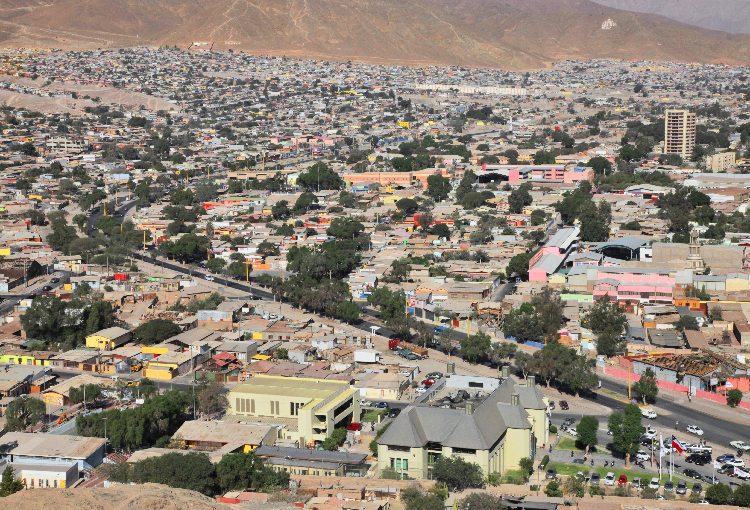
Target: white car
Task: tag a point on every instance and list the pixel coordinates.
(209, 278)
(609, 479)
(648, 413)
(699, 448)
(654, 483)
(642, 456)
(573, 432)
(695, 429)
(421, 389)
(735, 462)
(739, 445)
(651, 433)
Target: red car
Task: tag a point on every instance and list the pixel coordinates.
(354, 426)
(623, 480)
(564, 405)
(428, 382)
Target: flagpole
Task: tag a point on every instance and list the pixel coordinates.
(671, 459)
(661, 452)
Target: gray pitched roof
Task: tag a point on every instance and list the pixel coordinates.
(421, 423)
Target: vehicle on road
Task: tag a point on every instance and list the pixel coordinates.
(692, 473)
(735, 462)
(55, 280)
(654, 484)
(609, 479)
(564, 405)
(642, 456)
(695, 429)
(595, 478)
(648, 413)
(668, 486)
(381, 405)
(623, 480)
(699, 448)
(739, 445)
(46, 288)
(681, 487)
(650, 434)
(394, 412)
(209, 278)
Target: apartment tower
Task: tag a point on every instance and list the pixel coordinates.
(679, 132)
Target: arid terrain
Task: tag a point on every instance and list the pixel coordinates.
(511, 34)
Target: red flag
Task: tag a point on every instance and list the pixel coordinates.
(676, 446)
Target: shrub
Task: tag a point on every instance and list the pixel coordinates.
(545, 461)
(552, 429)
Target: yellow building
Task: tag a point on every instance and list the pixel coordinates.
(108, 339)
(495, 433)
(307, 409)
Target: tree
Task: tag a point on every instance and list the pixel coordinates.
(553, 489)
(193, 471)
(101, 316)
(476, 347)
(466, 185)
(734, 396)
(438, 187)
(605, 314)
(522, 361)
(626, 431)
(35, 217)
(646, 386)
(718, 494)
(45, 319)
(519, 266)
(345, 228)
(716, 313)
(304, 202)
(408, 206)
(211, 398)
(267, 248)
(741, 496)
(280, 210)
(155, 331)
(480, 501)
(441, 230)
(600, 164)
(526, 466)
(457, 474)
(520, 198)
(23, 412)
(216, 264)
(241, 471)
(686, 322)
(414, 499)
(9, 485)
(319, 176)
(586, 432)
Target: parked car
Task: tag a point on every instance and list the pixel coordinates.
(394, 412)
(46, 288)
(623, 480)
(551, 473)
(636, 482)
(736, 462)
(654, 484)
(564, 405)
(699, 448)
(569, 421)
(692, 473)
(697, 488)
(668, 486)
(381, 405)
(650, 434)
(609, 479)
(739, 445)
(725, 469)
(209, 278)
(434, 375)
(725, 457)
(699, 459)
(681, 487)
(595, 478)
(642, 456)
(54, 280)
(552, 405)
(428, 382)
(572, 431)
(420, 390)
(354, 426)
(695, 429)
(710, 479)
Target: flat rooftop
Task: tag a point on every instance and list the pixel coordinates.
(290, 386)
(49, 445)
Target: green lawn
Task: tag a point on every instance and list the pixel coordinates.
(512, 473)
(372, 415)
(568, 469)
(569, 444)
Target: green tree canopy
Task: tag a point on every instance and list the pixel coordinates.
(457, 473)
(319, 177)
(626, 431)
(155, 331)
(646, 387)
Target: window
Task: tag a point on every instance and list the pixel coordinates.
(392, 448)
(476, 384)
(54, 484)
(464, 451)
(294, 408)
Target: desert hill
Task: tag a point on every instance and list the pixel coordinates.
(513, 34)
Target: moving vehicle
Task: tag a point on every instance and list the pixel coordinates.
(46, 288)
(739, 445)
(381, 405)
(564, 405)
(609, 479)
(209, 278)
(648, 413)
(54, 280)
(654, 484)
(681, 487)
(695, 429)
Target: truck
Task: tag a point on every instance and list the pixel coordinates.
(393, 344)
(419, 351)
(648, 413)
(366, 356)
(406, 353)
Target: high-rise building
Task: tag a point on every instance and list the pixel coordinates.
(679, 132)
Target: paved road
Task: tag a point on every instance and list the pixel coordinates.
(11, 300)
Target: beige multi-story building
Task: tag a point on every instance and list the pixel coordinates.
(721, 161)
(305, 410)
(679, 132)
(495, 433)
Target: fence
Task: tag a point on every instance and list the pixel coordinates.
(536, 345)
